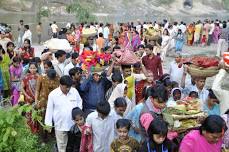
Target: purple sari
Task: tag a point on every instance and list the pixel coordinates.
(15, 85)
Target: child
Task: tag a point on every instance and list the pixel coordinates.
(211, 107)
(77, 136)
(120, 105)
(175, 96)
(103, 127)
(193, 95)
(124, 142)
(157, 138)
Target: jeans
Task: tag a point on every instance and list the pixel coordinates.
(62, 140)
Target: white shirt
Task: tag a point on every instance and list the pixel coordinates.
(68, 67)
(100, 30)
(103, 131)
(59, 108)
(106, 32)
(54, 28)
(183, 28)
(175, 72)
(221, 94)
(27, 35)
(212, 28)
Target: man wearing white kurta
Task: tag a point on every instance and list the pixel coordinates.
(61, 101)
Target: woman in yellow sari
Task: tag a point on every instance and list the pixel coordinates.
(190, 34)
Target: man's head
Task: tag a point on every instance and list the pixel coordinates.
(60, 56)
(178, 58)
(212, 99)
(103, 108)
(116, 78)
(149, 49)
(159, 96)
(21, 22)
(100, 34)
(75, 73)
(75, 58)
(200, 83)
(65, 84)
(26, 27)
(126, 70)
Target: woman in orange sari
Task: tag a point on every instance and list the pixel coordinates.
(190, 34)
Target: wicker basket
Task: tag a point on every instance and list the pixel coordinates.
(196, 71)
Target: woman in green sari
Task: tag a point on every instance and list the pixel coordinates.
(4, 66)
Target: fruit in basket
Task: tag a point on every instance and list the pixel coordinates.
(180, 107)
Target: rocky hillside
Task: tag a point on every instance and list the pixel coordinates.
(125, 8)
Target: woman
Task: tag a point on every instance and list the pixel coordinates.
(16, 70)
(136, 41)
(27, 52)
(190, 34)
(208, 138)
(45, 84)
(10, 49)
(165, 45)
(4, 66)
(29, 83)
(216, 33)
(179, 41)
(139, 87)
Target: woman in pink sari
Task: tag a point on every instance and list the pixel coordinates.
(15, 77)
(216, 33)
(206, 139)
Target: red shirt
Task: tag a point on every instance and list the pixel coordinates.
(154, 65)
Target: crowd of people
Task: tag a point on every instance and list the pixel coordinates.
(117, 107)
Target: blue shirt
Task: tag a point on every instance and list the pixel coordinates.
(214, 111)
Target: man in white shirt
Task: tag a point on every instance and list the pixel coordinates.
(75, 62)
(61, 101)
(61, 62)
(102, 123)
(27, 34)
(176, 69)
(182, 27)
(54, 28)
(100, 29)
(106, 32)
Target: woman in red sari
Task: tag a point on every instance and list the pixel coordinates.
(149, 82)
(28, 89)
(27, 52)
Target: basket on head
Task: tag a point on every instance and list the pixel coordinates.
(196, 71)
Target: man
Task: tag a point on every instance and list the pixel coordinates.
(176, 69)
(27, 34)
(221, 94)
(223, 40)
(94, 88)
(182, 27)
(61, 101)
(60, 63)
(102, 123)
(54, 28)
(152, 62)
(39, 32)
(100, 42)
(106, 32)
(76, 75)
(75, 62)
(20, 33)
(100, 29)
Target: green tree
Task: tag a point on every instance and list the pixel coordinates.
(81, 12)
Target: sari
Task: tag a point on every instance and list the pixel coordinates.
(190, 34)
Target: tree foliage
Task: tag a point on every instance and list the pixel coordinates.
(81, 12)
